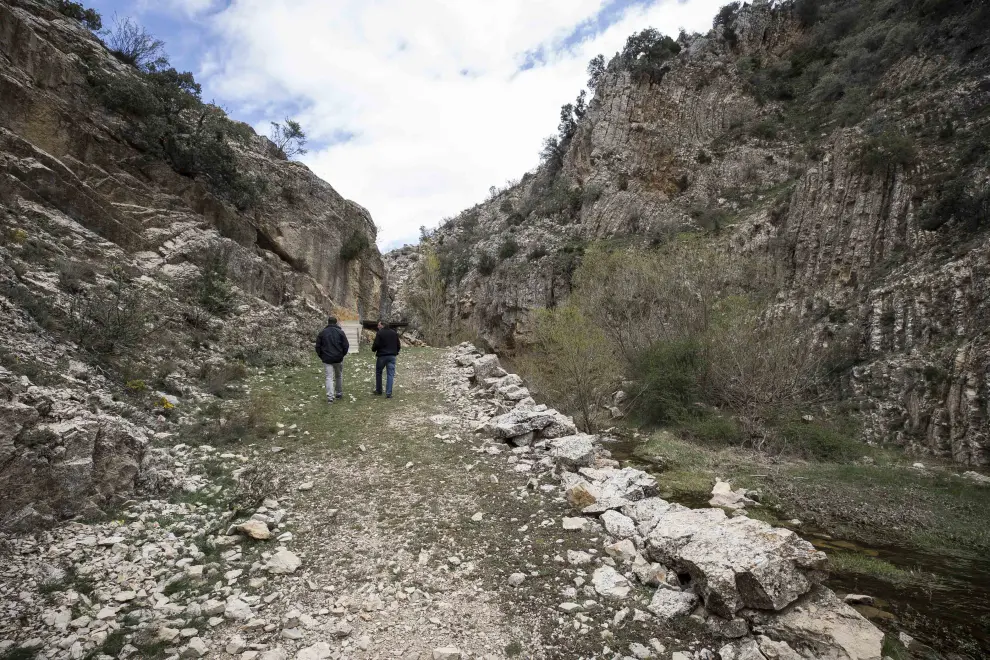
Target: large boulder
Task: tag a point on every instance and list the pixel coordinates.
(747, 649)
(574, 451)
(518, 422)
(561, 426)
(820, 626)
(626, 483)
(53, 468)
(487, 366)
(736, 562)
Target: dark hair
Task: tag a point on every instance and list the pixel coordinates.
(332, 320)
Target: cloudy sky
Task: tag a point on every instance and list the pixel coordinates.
(414, 108)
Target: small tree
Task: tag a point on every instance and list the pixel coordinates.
(88, 17)
(429, 301)
(289, 137)
(133, 44)
(572, 363)
(596, 72)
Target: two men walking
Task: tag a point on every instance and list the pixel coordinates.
(332, 346)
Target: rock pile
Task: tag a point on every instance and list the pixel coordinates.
(750, 582)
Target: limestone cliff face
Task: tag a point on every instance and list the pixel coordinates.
(687, 149)
(84, 210)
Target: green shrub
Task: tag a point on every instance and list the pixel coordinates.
(88, 17)
(765, 129)
(713, 430)
(170, 121)
(487, 263)
(571, 363)
(508, 249)
(537, 253)
(703, 157)
(726, 19)
(213, 288)
(591, 194)
(820, 442)
(955, 203)
(669, 380)
(889, 149)
(355, 245)
(515, 219)
(647, 52)
(506, 206)
(109, 319)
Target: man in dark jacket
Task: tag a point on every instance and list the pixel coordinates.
(386, 347)
(332, 346)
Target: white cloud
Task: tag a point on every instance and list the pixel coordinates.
(430, 89)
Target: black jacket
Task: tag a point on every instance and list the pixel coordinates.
(332, 345)
(386, 343)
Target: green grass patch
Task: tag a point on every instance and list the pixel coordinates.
(18, 653)
(513, 649)
(889, 502)
(894, 649)
(860, 564)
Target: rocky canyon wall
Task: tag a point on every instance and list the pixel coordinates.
(873, 256)
(99, 235)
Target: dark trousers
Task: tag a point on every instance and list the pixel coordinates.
(386, 362)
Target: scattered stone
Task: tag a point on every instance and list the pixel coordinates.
(640, 651)
(447, 653)
(303, 487)
(517, 579)
(318, 651)
(610, 584)
(618, 524)
(858, 599)
(668, 604)
(575, 524)
(283, 562)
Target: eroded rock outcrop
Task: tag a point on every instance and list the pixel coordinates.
(92, 219)
(899, 295)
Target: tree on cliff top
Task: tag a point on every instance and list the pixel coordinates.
(289, 137)
(133, 44)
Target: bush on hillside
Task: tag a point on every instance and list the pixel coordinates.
(170, 121)
(880, 153)
(214, 290)
(109, 319)
(646, 53)
(132, 44)
(508, 249)
(955, 203)
(354, 246)
(88, 17)
(487, 263)
(289, 138)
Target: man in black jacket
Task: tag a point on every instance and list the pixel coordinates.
(386, 347)
(332, 346)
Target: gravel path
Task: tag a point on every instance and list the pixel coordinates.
(396, 531)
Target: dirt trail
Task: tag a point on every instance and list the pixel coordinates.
(418, 529)
(396, 531)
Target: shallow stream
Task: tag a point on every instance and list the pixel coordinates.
(946, 607)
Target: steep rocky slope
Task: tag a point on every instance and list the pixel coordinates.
(130, 284)
(848, 142)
